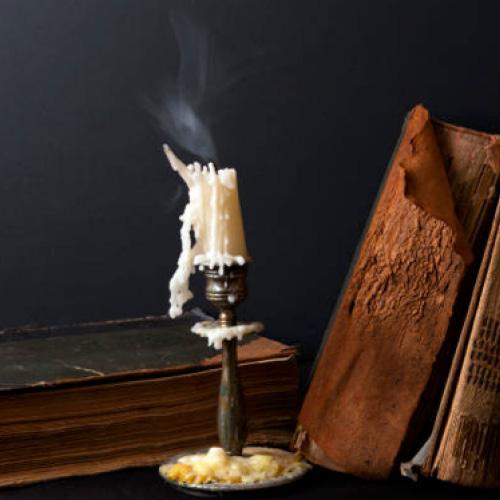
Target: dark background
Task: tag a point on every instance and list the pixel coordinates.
(304, 98)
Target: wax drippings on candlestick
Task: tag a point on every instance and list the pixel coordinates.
(215, 333)
(213, 215)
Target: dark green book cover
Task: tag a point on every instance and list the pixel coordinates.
(49, 356)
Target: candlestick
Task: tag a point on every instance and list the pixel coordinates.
(214, 215)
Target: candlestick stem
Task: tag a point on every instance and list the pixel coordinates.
(231, 424)
(226, 291)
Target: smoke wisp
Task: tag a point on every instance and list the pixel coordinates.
(181, 110)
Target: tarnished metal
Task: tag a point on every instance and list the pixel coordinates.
(225, 291)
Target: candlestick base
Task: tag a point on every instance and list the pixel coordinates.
(288, 475)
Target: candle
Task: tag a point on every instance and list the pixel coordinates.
(213, 214)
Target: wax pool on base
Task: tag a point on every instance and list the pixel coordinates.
(213, 214)
(216, 466)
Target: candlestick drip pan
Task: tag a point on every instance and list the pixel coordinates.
(219, 489)
(216, 333)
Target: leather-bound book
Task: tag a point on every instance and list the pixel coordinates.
(387, 351)
(90, 398)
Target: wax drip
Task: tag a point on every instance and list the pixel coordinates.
(215, 333)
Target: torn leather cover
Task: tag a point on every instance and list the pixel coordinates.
(393, 318)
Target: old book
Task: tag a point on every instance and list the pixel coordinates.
(90, 398)
(386, 354)
(465, 443)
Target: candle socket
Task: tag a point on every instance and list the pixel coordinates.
(226, 291)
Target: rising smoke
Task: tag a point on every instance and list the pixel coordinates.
(181, 111)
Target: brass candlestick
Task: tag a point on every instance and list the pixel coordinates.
(226, 291)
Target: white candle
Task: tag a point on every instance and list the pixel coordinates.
(213, 213)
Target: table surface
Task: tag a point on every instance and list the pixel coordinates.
(145, 483)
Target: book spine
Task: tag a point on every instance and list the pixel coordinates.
(469, 450)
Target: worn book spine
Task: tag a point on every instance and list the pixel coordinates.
(468, 452)
(370, 391)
